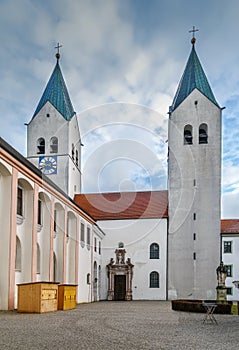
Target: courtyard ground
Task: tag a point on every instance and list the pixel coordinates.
(108, 325)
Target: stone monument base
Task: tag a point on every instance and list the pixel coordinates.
(221, 295)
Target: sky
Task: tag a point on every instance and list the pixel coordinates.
(122, 61)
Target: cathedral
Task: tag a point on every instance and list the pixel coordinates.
(148, 245)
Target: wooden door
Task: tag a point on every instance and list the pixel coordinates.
(119, 287)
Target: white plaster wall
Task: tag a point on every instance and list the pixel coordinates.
(137, 236)
(71, 249)
(25, 227)
(232, 259)
(5, 212)
(44, 237)
(97, 258)
(58, 241)
(189, 278)
(74, 185)
(47, 127)
(84, 267)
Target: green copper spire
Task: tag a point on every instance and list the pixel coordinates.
(193, 78)
(56, 93)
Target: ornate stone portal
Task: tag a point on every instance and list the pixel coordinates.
(120, 274)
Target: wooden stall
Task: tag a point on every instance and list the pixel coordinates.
(37, 297)
(67, 296)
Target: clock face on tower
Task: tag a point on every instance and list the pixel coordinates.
(48, 164)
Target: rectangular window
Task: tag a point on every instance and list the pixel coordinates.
(227, 245)
(82, 232)
(194, 216)
(19, 201)
(229, 291)
(54, 220)
(194, 256)
(99, 248)
(95, 244)
(229, 270)
(39, 215)
(88, 238)
(194, 236)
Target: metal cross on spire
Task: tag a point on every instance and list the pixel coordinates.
(194, 30)
(58, 53)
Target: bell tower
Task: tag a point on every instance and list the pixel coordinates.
(194, 185)
(53, 135)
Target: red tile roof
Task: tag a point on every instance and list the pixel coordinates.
(124, 205)
(135, 205)
(230, 226)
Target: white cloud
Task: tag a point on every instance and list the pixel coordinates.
(230, 208)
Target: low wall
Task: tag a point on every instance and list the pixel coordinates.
(196, 306)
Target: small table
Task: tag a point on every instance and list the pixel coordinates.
(210, 308)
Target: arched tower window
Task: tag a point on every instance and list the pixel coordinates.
(41, 145)
(154, 279)
(54, 145)
(154, 251)
(203, 133)
(188, 135)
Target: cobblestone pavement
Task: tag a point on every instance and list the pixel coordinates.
(140, 325)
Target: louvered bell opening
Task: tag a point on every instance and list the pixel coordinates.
(188, 139)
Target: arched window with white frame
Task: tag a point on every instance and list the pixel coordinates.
(154, 251)
(154, 279)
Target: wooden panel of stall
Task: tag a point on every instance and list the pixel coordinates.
(37, 297)
(66, 296)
